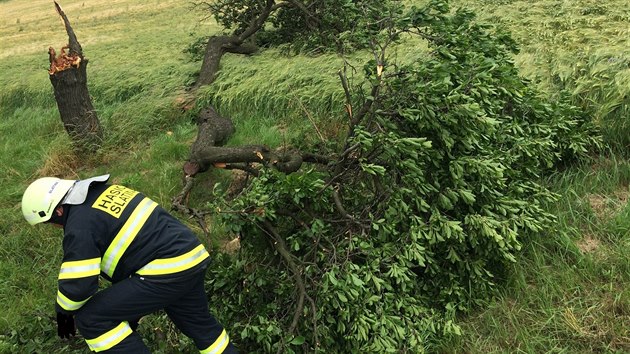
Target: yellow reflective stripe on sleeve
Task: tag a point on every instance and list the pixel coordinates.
(175, 264)
(126, 234)
(110, 338)
(219, 345)
(68, 304)
(80, 269)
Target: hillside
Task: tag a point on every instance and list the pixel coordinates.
(566, 294)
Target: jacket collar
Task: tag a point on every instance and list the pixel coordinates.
(78, 193)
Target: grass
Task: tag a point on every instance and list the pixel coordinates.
(567, 294)
(581, 46)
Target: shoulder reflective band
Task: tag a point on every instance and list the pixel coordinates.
(175, 264)
(126, 234)
(68, 304)
(80, 269)
(218, 346)
(110, 338)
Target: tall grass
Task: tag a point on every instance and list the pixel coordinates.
(581, 46)
(568, 292)
(278, 100)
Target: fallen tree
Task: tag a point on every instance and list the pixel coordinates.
(412, 218)
(207, 150)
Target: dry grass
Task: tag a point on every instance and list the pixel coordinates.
(231, 246)
(588, 244)
(29, 27)
(62, 163)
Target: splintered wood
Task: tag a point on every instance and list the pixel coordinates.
(63, 61)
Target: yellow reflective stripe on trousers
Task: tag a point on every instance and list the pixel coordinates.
(80, 269)
(175, 264)
(126, 234)
(68, 304)
(110, 338)
(218, 346)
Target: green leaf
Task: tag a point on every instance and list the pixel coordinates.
(332, 278)
(299, 340)
(356, 281)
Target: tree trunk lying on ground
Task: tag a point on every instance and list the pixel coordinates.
(208, 151)
(68, 75)
(214, 131)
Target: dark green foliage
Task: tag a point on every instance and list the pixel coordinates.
(329, 27)
(235, 15)
(421, 215)
(39, 335)
(313, 26)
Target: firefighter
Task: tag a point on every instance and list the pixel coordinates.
(153, 261)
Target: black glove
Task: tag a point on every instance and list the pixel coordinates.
(65, 325)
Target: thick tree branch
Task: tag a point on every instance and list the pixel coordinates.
(281, 247)
(313, 21)
(217, 46)
(215, 130)
(256, 24)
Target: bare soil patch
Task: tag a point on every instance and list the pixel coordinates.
(607, 206)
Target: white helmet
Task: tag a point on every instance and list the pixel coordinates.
(42, 196)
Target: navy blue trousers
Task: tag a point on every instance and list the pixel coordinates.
(103, 320)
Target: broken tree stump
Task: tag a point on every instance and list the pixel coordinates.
(68, 75)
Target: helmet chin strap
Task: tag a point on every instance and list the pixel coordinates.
(59, 219)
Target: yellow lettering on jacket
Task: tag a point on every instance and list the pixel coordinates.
(114, 200)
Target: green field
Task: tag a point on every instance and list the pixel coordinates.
(568, 292)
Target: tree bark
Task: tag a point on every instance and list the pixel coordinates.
(284, 161)
(212, 130)
(215, 130)
(216, 47)
(68, 75)
(236, 43)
